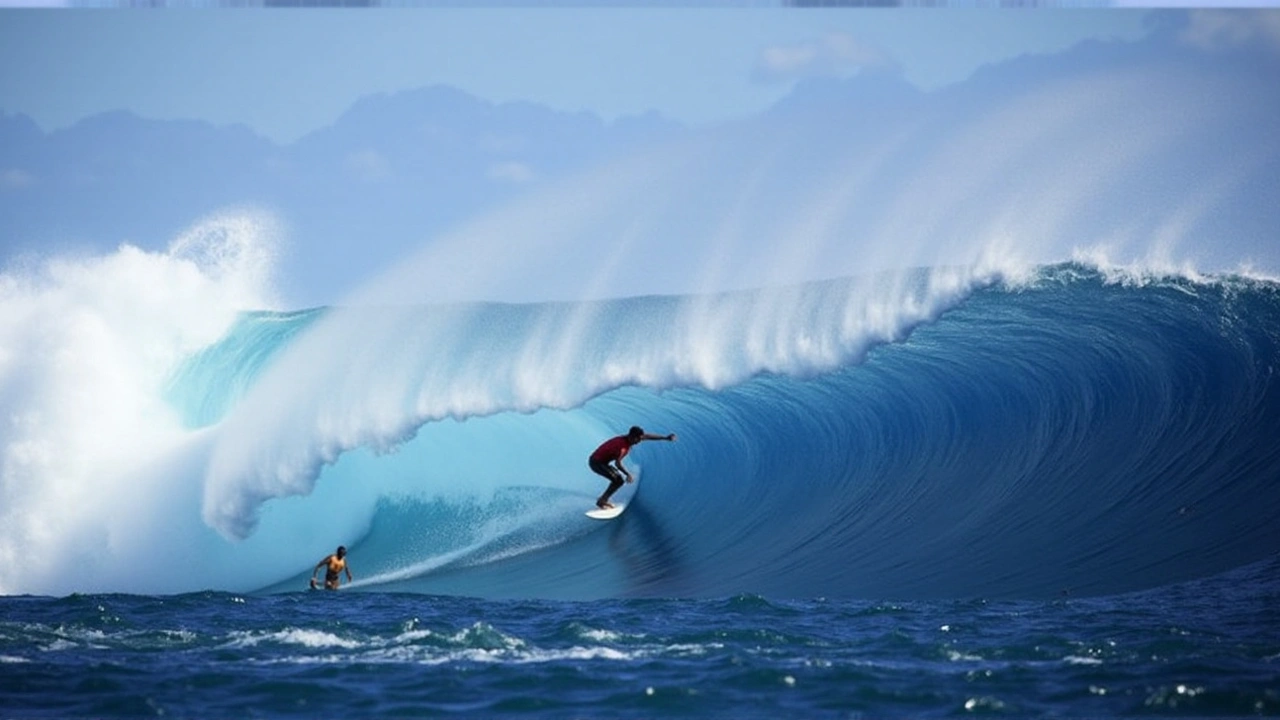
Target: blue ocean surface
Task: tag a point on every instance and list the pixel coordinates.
(940, 492)
(1203, 648)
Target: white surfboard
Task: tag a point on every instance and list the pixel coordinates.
(607, 513)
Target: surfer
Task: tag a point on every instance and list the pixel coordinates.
(612, 451)
(333, 564)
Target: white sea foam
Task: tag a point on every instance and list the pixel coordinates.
(86, 346)
(304, 637)
(1081, 660)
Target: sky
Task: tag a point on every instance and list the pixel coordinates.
(287, 72)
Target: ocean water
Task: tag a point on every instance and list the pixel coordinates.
(942, 492)
(1202, 648)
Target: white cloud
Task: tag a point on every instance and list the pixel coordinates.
(1227, 29)
(512, 171)
(833, 55)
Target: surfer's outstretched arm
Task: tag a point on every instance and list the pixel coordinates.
(671, 437)
(643, 436)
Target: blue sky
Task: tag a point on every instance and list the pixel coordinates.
(285, 73)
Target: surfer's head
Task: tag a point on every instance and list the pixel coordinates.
(635, 433)
(342, 552)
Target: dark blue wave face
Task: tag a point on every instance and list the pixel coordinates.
(1069, 437)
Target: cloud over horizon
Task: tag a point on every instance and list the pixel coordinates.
(832, 55)
(1230, 29)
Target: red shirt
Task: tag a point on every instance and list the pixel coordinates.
(612, 449)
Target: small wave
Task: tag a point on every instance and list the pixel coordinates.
(304, 637)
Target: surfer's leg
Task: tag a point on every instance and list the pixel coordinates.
(614, 484)
(615, 481)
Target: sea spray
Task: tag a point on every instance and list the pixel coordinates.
(86, 347)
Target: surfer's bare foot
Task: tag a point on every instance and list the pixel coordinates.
(604, 505)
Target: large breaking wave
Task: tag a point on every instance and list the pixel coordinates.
(1067, 432)
(937, 433)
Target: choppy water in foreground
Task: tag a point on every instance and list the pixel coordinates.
(1209, 647)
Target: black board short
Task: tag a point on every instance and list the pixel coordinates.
(605, 469)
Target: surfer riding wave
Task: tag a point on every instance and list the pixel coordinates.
(612, 451)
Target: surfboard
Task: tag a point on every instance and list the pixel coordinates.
(608, 513)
